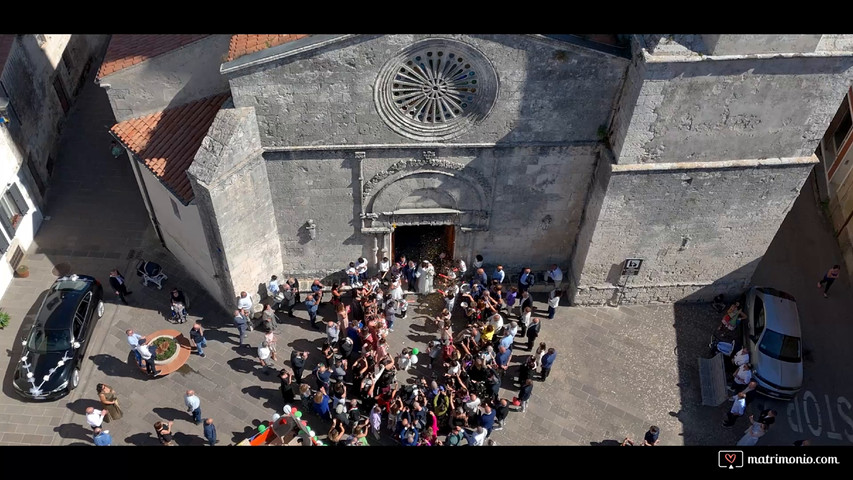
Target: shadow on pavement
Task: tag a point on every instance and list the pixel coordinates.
(114, 367)
(76, 431)
(271, 395)
(142, 439)
(170, 414)
(79, 406)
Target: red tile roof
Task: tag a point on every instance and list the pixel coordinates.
(246, 44)
(127, 50)
(6, 42)
(167, 141)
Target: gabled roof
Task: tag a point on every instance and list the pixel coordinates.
(127, 50)
(6, 42)
(245, 44)
(167, 141)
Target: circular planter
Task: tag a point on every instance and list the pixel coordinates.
(172, 357)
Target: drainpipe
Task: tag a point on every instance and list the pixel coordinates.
(134, 164)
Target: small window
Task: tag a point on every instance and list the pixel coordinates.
(36, 177)
(175, 209)
(760, 318)
(842, 130)
(12, 209)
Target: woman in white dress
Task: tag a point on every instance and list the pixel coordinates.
(752, 434)
(426, 274)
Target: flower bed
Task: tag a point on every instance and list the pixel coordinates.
(167, 349)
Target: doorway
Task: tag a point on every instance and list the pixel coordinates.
(423, 242)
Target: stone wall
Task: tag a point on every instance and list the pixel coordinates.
(550, 91)
(713, 110)
(753, 44)
(171, 79)
(695, 225)
(534, 198)
(28, 80)
(232, 189)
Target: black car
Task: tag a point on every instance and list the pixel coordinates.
(50, 364)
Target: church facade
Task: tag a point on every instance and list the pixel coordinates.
(302, 153)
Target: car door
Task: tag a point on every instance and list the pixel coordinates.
(81, 319)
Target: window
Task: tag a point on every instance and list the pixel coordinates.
(80, 316)
(759, 316)
(59, 88)
(13, 207)
(843, 129)
(35, 174)
(781, 347)
(175, 209)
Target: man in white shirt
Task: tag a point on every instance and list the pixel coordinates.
(553, 302)
(737, 410)
(146, 355)
(478, 437)
(384, 267)
(742, 376)
(555, 275)
(496, 321)
(361, 268)
(741, 357)
(245, 305)
(273, 285)
(95, 417)
(264, 354)
(193, 404)
(472, 406)
(134, 339)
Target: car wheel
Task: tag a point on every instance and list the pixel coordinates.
(100, 308)
(75, 379)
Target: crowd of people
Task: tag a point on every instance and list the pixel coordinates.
(355, 385)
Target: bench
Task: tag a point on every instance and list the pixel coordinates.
(712, 376)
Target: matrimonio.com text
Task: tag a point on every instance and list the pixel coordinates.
(802, 459)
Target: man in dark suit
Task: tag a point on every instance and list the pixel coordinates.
(297, 363)
(524, 301)
(288, 300)
(533, 332)
(525, 280)
(119, 285)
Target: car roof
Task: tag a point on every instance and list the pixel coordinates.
(57, 310)
(781, 311)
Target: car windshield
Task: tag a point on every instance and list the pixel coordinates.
(779, 346)
(65, 284)
(43, 341)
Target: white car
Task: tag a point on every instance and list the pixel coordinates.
(772, 335)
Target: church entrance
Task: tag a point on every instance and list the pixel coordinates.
(423, 242)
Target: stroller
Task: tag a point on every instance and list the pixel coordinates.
(179, 313)
(151, 272)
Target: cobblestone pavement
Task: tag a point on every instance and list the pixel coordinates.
(618, 370)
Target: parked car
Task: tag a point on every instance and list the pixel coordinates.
(772, 335)
(49, 367)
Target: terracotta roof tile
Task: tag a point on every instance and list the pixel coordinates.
(6, 42)
(167, 141)
(246, 44)
(127, 50)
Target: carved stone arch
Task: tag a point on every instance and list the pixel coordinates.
(437, 169)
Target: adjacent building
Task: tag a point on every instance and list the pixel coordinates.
(297, 154)
(40, 76)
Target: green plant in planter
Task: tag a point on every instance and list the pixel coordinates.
(166, 347)
(4, 319)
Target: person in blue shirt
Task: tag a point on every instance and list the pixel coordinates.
(548, 362)
(311, 304)
(409, 436)
(499, 274)
(210, 431)
(503, 358)
(487, 418)
(102, 438)
(321, 404)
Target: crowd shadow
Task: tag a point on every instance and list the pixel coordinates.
(188, 439)
(606, 443)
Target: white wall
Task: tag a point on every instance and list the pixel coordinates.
(9, 174)
(184, 237)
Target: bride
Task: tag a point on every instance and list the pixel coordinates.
(425, 274)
